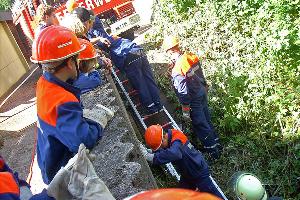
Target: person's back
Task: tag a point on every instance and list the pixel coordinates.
(187, 70)
(59, 117)
(175, 147)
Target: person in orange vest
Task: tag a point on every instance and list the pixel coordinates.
(173, 146)
(45, 16)
(191, 89)
(13, 188)
(62, 122)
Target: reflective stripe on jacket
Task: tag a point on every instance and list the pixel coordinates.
(189, 162)
(61, 126)
(187, 77)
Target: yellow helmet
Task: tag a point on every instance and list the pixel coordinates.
(170, 42)
(71, 5)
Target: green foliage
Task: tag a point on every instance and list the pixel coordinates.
(5, 4)
(252, 51)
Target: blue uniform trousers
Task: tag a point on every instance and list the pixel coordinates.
(202, 125)
(139, 73)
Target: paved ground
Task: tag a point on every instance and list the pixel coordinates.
(17, 126)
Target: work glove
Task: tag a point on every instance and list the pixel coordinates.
(147, 153)
(186, 113)
(100, 114)
(78, 180)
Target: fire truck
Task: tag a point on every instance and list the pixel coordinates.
(117, 15)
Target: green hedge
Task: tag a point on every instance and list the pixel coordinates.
(252, 51)
(5, 4)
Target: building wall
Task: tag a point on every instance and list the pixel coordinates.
(12, 62)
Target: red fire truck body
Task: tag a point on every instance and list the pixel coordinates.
(118, 15)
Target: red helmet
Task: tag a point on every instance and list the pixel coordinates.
(89, 52)
(55, 43)
(154, 136)
(174, 194)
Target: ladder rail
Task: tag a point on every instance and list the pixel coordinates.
(169, 166)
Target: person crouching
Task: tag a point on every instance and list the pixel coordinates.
(173, 146)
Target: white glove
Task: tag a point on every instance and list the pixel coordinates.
(84, 182)
(100, 114)
(147, 153)
(78, 180)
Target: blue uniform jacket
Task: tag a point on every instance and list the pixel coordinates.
(88, 81)
(188, 161)
(188, 79)
(10, 185)
(61, 126)
(119, 47)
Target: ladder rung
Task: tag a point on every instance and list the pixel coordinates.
(166, 124)
(125, 81)
(150, 115)
(138, 105)
(132, 92)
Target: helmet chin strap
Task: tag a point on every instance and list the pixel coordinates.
(74, 58)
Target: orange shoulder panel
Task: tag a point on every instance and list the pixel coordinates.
(49, 97)
(178, 135)
(185, 62)
(8, 184)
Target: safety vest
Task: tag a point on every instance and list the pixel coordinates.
(187, 65)
(178, 135)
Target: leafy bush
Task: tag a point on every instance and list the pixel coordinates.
(5, 4)
(252, 51)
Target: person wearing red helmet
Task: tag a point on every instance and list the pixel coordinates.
(173, 146)
(173, 194)
(61, 125)
(89, 78)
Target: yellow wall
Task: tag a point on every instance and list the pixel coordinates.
(12, 63)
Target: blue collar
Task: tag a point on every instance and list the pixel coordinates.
(51, 78)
